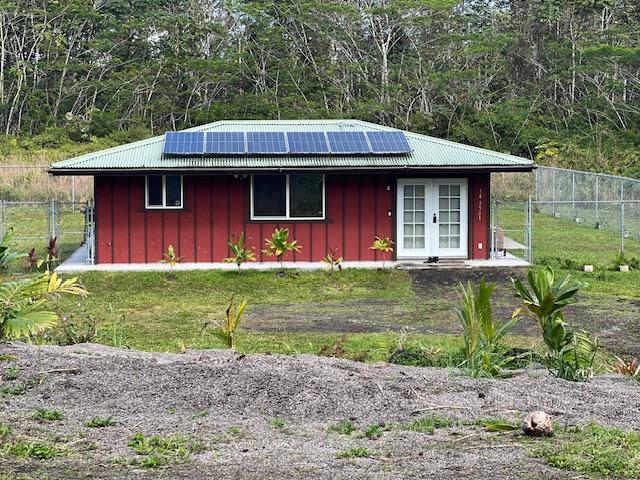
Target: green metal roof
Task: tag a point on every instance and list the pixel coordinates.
(428, 153)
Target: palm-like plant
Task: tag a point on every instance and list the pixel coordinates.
(171, 258)
(226, 330)
(278, 245)
(483, 336)
(572, 350)
(6, 244)
(23, 303)
(333, 260)
(241, 253)
(383, 245)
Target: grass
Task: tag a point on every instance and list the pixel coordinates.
(101, 422)
(427, 424)
(32, 449)
(278, 423)
(157, 450)
(48, 415)
(594, 450)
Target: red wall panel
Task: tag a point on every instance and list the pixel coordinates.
(217, 206)
(479, 216)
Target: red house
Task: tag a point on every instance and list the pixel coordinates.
(335, 184)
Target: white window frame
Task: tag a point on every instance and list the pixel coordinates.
(164, 205)
(287, 215)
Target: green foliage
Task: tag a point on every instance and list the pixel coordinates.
(333, 260)
(36, 450)
(594, 450)
(47, 414)
(484, 347)
(498, 425)
(241, 254)
(373, 431)
(101, 422)
(6, 254)
(417, 354)
(226, 330)
(78, 328)
(356, 452)
(572, 351)
(171, 258)
(24, 303)
(346, 427)
(278, 245)
(278, 423)
(382, 245)
(11, 373)
(157, 450)
(427, 424)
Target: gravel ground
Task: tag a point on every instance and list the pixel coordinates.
(204, 394)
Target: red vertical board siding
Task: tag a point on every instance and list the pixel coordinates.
(202, 219)
(120, 188)
(217, 207)
(384, 204)
(479, 187)
(335, 214)
(137, 220)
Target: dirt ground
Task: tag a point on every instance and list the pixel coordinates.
(615, 321)
(229, 403)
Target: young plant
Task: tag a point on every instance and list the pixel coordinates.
(226, 331)
(23, 303)
(482, 335)
(571, 351)
(101, 422)
(171, 258)
(382, 245)
(332, 260)
(33, 259)
(6, 254)
(241, 254)
(278, 245)
(631, 367)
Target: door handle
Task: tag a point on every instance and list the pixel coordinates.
(435, 218)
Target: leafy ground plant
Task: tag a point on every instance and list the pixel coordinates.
(157, 451)
(37, 450)
(11, 373)
(47, 414)
(6, 254)
(332, 260)
(346, 427)
(356, 452)
(427, 424)
(278, 245)
(101, 422)
(571, 351)
(226, 330)
(594, 450)
(240, 253)
(384, 246)
(171, 258)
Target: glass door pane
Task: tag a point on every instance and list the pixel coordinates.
(413, 226)
(449, 214)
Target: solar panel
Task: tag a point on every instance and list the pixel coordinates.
(266, 142)
(388, 142)
(307, 142)
(185, 143)
(225, 142)
(348, 142)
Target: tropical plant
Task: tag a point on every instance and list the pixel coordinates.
(332, 260)
(6, 254)
(630, 367)
(241, 253)
(571, 350)
(23, 303)
(483, 336)
(33, 259)
(226, 330)
(171, 258)
(278, 245)
(382, 245)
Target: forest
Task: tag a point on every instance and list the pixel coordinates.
(554, 80)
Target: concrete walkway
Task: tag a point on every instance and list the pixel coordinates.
(77, 263)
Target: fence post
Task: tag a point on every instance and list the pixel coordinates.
(529, 243)
(597, 198)
(622, 229)
(52, 219)
(573, 195)
(553, 190)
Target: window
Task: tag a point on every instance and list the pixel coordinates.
(164, 191)
(297, 197)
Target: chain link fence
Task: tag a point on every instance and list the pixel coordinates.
(35, 223)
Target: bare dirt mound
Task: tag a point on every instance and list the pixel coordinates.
(268, 416)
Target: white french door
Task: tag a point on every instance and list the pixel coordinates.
(432, 218)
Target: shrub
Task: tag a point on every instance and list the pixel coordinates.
(278, 245)
(382, 245)
(571, 351)
(241, 254)
(483, 336)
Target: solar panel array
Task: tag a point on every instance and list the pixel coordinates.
(281, 143)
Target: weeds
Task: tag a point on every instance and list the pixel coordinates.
(11, 373)
(5, 430)
(36, 450)
(373, 431)
(158, 451)
(345, 427)
(427, 424)
(48, 415)
(101, 422)
(277, 423)
(630, 368)
(356, 452)
(7, 357)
